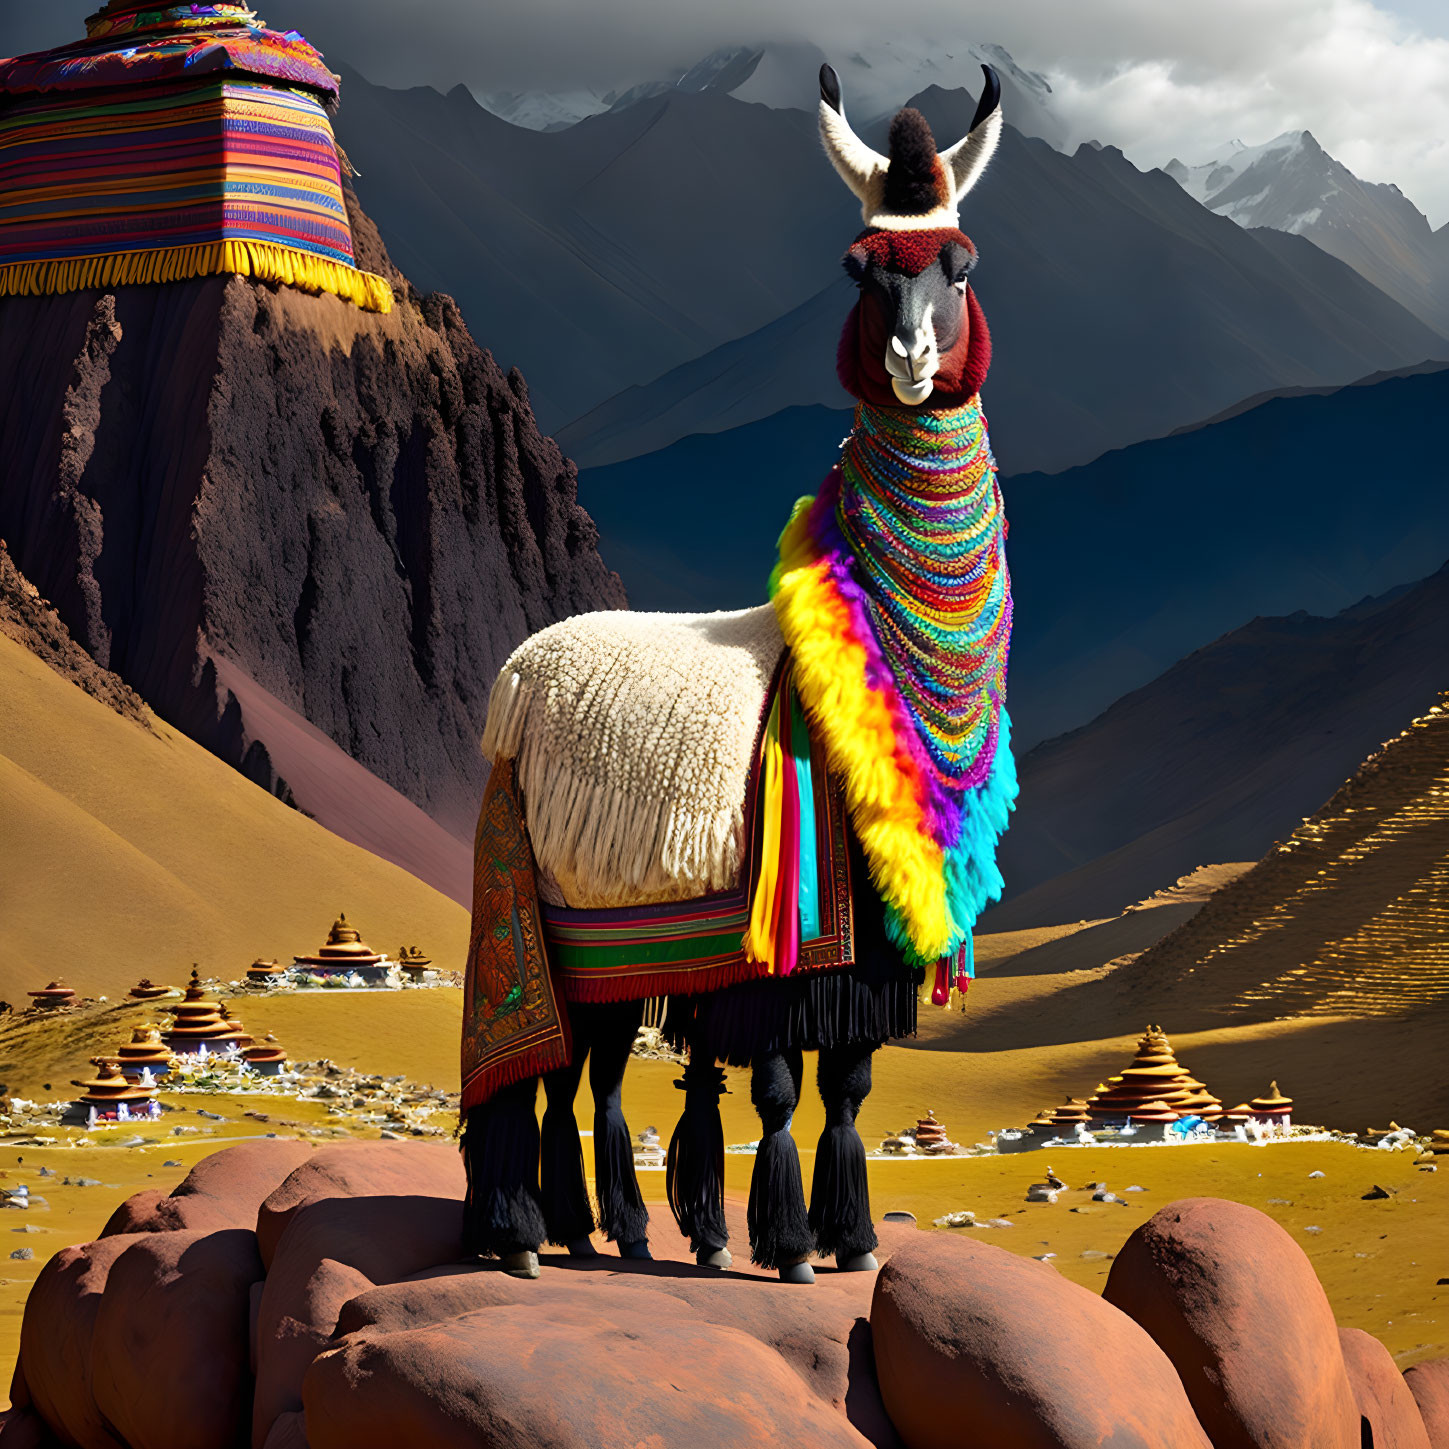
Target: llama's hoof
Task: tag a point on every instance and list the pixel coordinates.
(636, 1250)
(720, 1258)
(800, 1272)
(582, 1248)
(521, 1265)
(857, 1263)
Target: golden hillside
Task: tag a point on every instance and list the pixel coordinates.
(1348, 917)
(127, 850)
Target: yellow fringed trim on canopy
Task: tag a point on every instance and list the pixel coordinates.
(261, 260)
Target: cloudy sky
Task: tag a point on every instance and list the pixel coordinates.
(1370, 78)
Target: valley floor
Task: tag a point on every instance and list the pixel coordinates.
(1045, 1021)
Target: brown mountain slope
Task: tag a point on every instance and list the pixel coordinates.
(301, 532)
(128, 850)
(1347, 917)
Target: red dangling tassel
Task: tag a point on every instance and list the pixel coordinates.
(941, 991)
(963, 977)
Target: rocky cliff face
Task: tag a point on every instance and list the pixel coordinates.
(293, 527)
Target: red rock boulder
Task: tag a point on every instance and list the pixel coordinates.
(355, 1170)
(223, 1190)
(599, 1381)
(968, 1334)
(56, 1339)
(1235, 1304)
(1429, 1384)
(333, 1249)
(1383, 1398)
(170, 1342)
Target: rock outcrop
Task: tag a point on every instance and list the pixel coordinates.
(297, 530)
(1194, 1275)
(349, 1317)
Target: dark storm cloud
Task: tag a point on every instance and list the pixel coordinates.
(1156, 79)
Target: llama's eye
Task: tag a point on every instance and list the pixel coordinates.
(960, 283)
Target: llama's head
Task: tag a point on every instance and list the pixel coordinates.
(917, 333)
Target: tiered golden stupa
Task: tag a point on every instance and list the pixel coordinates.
(931, 1136)
(266, 1056)
(1066, 1118)
(413, 961)
(109, 1087)
(264, 972)
(1272, 1106)
(56, 994)
(147, 990)
(198, 1022)
(1156, 1079)
(343, 953)
(145, 1051)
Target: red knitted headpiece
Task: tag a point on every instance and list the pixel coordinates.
(909, 252)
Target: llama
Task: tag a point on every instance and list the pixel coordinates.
(779, 818)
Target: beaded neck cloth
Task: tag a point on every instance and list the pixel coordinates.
(894, 597)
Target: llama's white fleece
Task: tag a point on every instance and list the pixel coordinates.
(633, 734)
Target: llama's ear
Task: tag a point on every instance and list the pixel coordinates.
(861, 168)
(856, 262)
(967, 159)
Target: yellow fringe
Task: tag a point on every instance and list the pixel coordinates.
(859, 737)
(261, 260)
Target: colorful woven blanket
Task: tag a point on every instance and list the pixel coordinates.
(894, 599)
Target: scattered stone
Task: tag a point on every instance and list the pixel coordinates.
(1040, 1192)
(1280, 1202)
(1101, 1195)
(87, 1182)
(1094, 1254)
(30, 1228)
(998, 1223)
(47, 1172)
(389, 1136)
(1312, 1228)
(1315, 1173)
(1054, 1182)
(1044, 1257)
(1376, 1192)
(963, 1219)
(1134, 1188)
(172, 1162)
(24, 1254)
(210, 1116)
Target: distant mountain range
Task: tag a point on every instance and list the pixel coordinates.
(1292, 184)
(783, 76)
(602, 257)
(1220, 756)
(1121, 567)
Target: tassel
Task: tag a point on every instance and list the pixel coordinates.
(567, 1212)
(840, 1190)
(694, 1168)
(779, 1225)
(262, 260)
(502, 1213)
(622, 1214)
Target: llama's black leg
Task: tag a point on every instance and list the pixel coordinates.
(780, 1235)
(622, 1214)
(840, 1192)
(694, 1170)
(502, 1214)
(567, 1214)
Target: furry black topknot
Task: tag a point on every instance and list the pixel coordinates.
(913, 182)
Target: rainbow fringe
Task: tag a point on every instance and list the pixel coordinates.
(923, 748)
